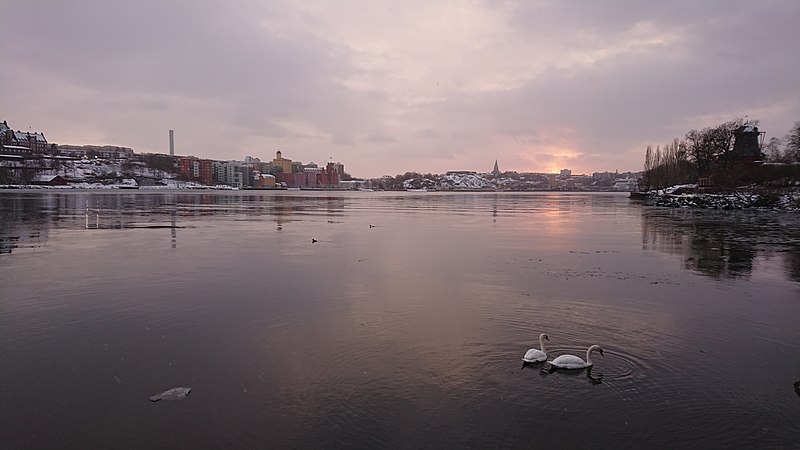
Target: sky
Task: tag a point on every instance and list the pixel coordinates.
(387, 87)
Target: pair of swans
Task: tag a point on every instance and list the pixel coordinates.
(562, 362)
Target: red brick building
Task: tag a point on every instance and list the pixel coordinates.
(196, 169)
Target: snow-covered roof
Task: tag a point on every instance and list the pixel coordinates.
(749, 128)
(44, 178)
(23, 136)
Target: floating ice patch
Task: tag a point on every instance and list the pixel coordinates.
(176, 393)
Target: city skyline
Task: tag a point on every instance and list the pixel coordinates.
(387, 87)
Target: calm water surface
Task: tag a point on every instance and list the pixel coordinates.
(402, 326)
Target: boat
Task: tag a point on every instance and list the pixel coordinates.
(635, 195)
(128, 183)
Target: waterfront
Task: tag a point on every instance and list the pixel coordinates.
(403, 325)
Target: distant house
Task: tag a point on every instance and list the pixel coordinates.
(265, 180)
(625, 185)
(34, 141)
(15, 150)
(102, 151)
(49, 180)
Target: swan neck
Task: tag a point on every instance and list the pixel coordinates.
(589, 356)
(541, 344)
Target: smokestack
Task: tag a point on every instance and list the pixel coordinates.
(171, 143)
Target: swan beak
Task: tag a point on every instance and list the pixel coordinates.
(601, 352)
(546, 338)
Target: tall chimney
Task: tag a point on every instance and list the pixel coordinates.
(171, 143)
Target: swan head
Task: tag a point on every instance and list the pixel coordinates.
(596, 348)
(544, 336)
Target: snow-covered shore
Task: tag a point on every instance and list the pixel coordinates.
(111, 186)
(686, 196)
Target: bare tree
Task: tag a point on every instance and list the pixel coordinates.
(669, 166)
(773, 150)
(648, 168)
(792, 141)
(700, 150)
(712, 146)
(722, 137)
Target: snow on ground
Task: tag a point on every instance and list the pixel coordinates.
(457, 181)
(785, 201)
(465, 181)
(676, 189)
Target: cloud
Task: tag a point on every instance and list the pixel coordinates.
(380, 138)
(387, 87)
(427, 133)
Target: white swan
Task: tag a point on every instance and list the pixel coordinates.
(533, 355)
(574, 362)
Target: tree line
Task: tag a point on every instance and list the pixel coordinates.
(706, 153)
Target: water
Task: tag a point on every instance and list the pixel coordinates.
(404, 325)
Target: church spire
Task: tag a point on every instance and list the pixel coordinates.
(496, 170)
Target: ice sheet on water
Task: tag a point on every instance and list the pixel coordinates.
(176, 393)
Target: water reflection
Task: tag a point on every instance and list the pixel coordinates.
(545, 369)
(792, 261)
(723, 245)
(27, 217)
(287, 342)
(173, 229)
(23, 222)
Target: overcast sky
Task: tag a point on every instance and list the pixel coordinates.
(387, 87)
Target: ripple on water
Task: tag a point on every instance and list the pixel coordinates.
(647, 380)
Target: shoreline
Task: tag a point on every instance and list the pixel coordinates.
(779, 200)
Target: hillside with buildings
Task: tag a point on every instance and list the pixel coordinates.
(27, 159)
